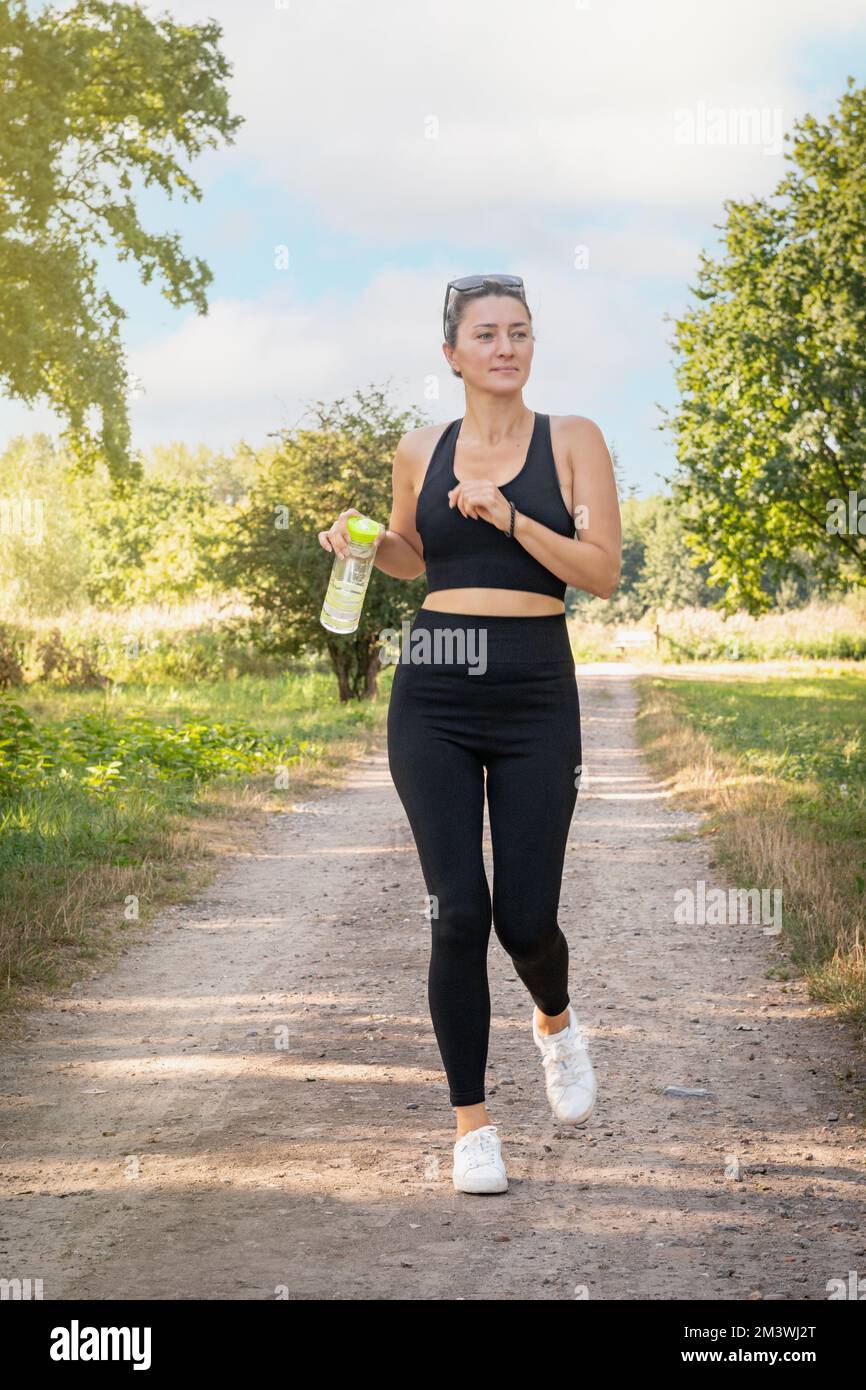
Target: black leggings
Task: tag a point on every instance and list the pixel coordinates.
(494, 693)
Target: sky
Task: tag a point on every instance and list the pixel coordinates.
(388, 147)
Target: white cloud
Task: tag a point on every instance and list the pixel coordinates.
(251, 366)
(555, 126)
(550, 108)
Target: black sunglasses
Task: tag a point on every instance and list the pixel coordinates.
(468, 283)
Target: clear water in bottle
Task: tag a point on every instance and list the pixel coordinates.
(341, 610)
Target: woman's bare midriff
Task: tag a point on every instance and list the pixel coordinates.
(493, 603)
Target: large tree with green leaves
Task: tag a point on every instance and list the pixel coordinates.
(95, 100)
(770, 429)
(269, 549)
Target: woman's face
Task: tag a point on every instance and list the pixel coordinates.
(494, 343)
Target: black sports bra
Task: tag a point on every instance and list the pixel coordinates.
(461, 552)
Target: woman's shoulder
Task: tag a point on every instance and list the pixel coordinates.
(580, 438)
(416, 450)
(419, 437)
(577, 427)
(418, 444)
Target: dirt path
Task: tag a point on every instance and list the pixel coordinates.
(252, 1100)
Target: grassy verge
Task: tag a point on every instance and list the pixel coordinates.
(778, 763)
(113, 805)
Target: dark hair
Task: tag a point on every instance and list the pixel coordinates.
(457, 302)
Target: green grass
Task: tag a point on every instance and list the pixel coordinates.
(301, 705)
(807, 732)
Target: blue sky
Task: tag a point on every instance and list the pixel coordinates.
(390, 147)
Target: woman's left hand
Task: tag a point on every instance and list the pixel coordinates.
(482, 501)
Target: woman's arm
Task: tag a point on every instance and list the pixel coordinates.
(400, 551)
(591, 560)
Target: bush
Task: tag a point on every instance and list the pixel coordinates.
(100, 752)
(11, 656)
(73, 666)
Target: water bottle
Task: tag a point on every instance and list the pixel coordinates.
(341, 610)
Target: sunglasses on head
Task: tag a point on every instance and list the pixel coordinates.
(467, 283)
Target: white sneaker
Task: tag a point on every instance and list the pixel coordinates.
(478, 1165)
(568, 1075)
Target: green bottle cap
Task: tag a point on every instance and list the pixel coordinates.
(362, 529)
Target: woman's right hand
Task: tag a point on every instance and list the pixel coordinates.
(337, 539)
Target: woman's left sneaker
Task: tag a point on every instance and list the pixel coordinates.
(478, 1165)
(568, 1075)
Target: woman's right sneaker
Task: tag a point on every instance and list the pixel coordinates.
(478, 1165)
(568, 1075)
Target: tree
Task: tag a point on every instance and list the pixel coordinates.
(224, 476)
(269, 550)
(624, 489)
(669, 578)
(91, 99)
(43, 552)
(70, 538)
(771, 424)
(145, 545)
(658, 570)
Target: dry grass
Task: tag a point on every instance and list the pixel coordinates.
(757, 840)
(704, 634)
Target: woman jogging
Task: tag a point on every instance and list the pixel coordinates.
(503, 508)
